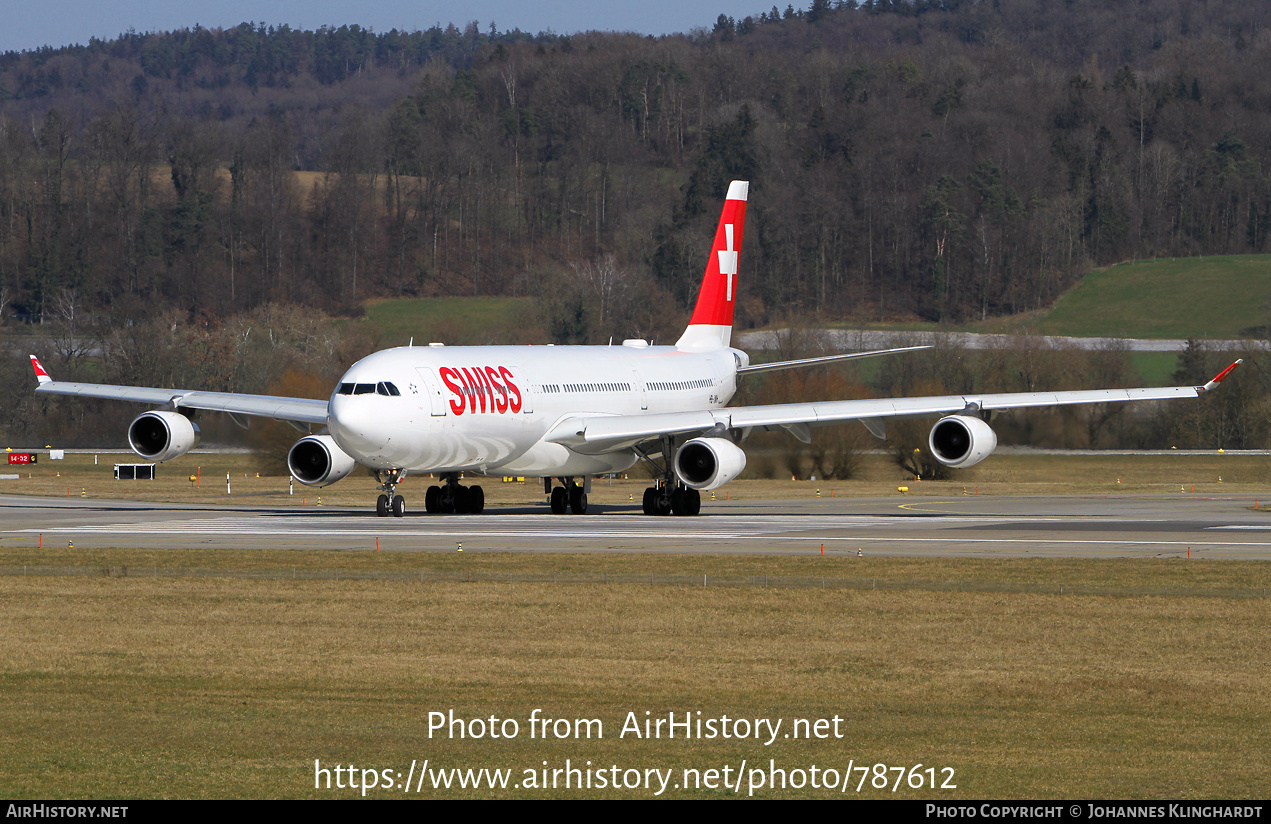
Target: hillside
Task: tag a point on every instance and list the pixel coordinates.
(948, 161)
(1224, 297)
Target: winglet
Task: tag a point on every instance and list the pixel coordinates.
(1220, 376)
(40, 374)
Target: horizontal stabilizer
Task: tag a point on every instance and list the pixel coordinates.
(794, 364)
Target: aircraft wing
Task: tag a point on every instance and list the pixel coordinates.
(300, 410)
(600, 433)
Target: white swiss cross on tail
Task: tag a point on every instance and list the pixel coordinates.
(711, 326)
(728, 261)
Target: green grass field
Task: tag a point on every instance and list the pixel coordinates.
(455, 321)
(1213, 297)
(1224, 297)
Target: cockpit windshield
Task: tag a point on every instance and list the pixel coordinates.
(381, 388)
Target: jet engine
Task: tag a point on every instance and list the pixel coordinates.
(317, 461)
(709, 463)
(960, 441)
(162, 436)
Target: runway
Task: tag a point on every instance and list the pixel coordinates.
(972, 526)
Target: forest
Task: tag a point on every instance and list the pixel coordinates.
(941, 160)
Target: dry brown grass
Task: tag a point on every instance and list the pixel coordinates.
(220, 687)
(122, 687)
(1089, 473)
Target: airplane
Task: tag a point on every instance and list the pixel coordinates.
(566, 414)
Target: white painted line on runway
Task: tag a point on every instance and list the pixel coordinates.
(1045, 541)
(762, 528)
(611, 526)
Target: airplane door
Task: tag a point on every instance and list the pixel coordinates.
(523, 385)
(432, 388)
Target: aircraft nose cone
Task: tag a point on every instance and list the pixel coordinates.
(357, 425)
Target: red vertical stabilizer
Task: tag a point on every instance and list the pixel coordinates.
(711, 326)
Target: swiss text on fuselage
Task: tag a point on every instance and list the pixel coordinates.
(477, 389)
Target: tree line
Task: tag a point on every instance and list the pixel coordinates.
(298, 352)
(941, 159)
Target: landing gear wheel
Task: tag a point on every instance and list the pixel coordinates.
(560, 501)
(381, 506)
(577, 500)
(398, 506)
(686, 501)
(651, 500)
(432, 500)
(476, 499)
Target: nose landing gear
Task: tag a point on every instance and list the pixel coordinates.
(390, 503)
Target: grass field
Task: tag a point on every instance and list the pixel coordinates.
(1213, 297)
(454, 321)
(1224, 297)
(1002, 474)
(216, 688)
(232, 687)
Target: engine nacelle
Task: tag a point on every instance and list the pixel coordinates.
(162, 436)
(317, 461)
(960, 441)
(709, 463)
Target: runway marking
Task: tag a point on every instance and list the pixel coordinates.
(920, 506)
(703, 530)
(463, 528)
(533, 524)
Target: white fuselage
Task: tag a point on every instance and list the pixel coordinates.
(486, 409)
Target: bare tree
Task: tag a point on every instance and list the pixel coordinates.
(68, 313)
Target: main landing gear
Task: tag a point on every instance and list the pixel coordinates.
(390, 503)
(668, 495)
(572, 496)
(452, 498)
